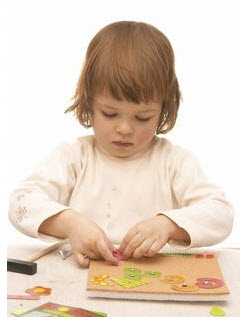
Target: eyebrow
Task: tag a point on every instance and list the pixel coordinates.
(139, 111)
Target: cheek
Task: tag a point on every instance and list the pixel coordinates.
(104, 132)
(146, 134)
(99, 125)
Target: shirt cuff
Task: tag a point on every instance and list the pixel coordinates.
(180, 219)
(30, 225)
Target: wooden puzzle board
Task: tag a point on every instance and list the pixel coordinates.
(190, 267)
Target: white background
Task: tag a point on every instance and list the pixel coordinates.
(42, 59)
(43, 45)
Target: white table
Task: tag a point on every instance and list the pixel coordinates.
(68, 283)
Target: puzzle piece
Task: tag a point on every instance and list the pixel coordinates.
(118, 254)
(173, 279)
(39, 290)
(185, 287)
(132, 276)
(132, 273)
(152, 274)
(101, 280)
(209, 283)
(19, 311)
(132, 270)
(217, 311)
(204, 255)
(128, 283)
(57, 310)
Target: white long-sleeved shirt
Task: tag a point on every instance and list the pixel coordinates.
(118, 193)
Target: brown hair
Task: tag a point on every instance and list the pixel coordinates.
(131, 61)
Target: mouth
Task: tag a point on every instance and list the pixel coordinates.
(122, 144)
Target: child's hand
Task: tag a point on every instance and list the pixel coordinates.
(88, 240)
(148, 237)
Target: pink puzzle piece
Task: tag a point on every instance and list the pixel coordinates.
(118, 254)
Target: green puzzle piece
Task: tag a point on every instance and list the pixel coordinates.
(128, 283)
(133, 270)
(152, 274)
(217, 311)
(132, 273)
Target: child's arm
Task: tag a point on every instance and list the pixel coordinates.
(203, 216)
(44, 193)
(202, 210)
(39, 206)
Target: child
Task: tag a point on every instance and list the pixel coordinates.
(124, 184)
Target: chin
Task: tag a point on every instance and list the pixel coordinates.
(122, 155)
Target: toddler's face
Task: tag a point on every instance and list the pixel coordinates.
(124, 129)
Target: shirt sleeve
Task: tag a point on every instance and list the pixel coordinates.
(43, 194)
(202, 210)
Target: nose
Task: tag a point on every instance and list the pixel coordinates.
(124, 128)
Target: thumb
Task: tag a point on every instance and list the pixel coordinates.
(82, 260)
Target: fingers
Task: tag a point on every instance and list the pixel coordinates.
(105, 251)
(128, 237)
(143, 248)
(82, 260)
(139, 247)
(155, 247)
(92, 254)
(133, 245)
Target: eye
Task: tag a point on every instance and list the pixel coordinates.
(108, 115)
(143, 119)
